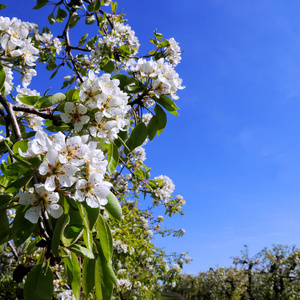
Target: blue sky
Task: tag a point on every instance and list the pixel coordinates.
(234, 152)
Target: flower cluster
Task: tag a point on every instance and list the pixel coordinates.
(16, 44)
(172, 53)
(165, 188)
(70, 164)
(120, 35)
(164, 79)
(107, 103)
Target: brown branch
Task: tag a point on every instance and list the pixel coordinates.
(8, 107)
(35, 111)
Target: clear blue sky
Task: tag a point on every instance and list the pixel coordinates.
(234, 152)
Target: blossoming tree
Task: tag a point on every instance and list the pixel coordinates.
(73, 161)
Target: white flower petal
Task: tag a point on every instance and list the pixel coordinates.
(27, 198)
(55, 210)
(33, 213)
(50, 183)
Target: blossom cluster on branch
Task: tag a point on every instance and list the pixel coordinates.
(73, 162)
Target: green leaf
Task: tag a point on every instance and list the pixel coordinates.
(161, 119)
(124, 49)
(39, 283)
(98, 272)
(88, 275)
(19, 183)
(124, 80)
(138, 87)
(4, 225)
(70, 233)
(109, 67)
(152, 128)
(40, 4)
(61, 14)
(113, 158)
(72, 95)
(51, 66)
(21, 227)
(105, 237)
(29, 100)
(106, 267)
(83, 39)
(81, 251)
(56, 235)
(51, 19)
(94, 6)
(113, 206)
(73, 20)
(91, 42)
(4, 199)
(168, 104)
(90, 19)
(2, 76)
(76, 284)
(20, 145)
(105, 289)
(89, 215)
(2, 6)
(137, 137)
(50, 100)
(114, 6)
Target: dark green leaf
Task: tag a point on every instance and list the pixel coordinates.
(105, 237)
(19, 183)
(21, 227)
(4, 225)
(40, 4)
(39, 283)
(106, 267)
(152, 128)
(91, 42)
(88, 275)
(73, 20)
(89, 215)
(56, 235)
(137, 137)
(70, 233)
(105, 290)
(83, 39)
(60, 16)
(113, 206)
(76, 282)
(124, 80)
(109, 67)
(4, 199)
(2, 6)
(168, 104)
(51, 19)
(113, 157)
(51, 66)
(161, 119)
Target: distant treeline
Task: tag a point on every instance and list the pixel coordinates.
(270, 274)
